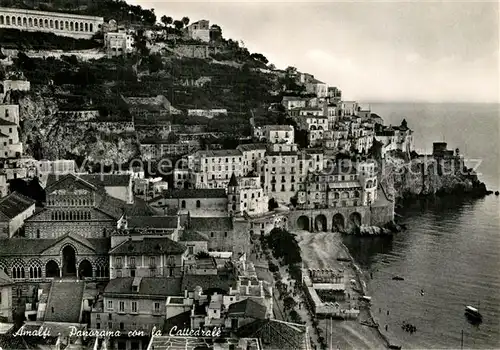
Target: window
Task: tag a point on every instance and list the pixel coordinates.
(152, 261)
(122, 326)
(134, 306)
(98, 317)
(198, 204)
(119, 274)
(211, 234)
(122, 306)
(157, 307)
(110, 325)
(225, 233)
(110, 306)
(191, 249)
(98, 325)
(132, 273)
(183, 204)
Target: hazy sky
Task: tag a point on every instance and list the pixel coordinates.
(407, 51)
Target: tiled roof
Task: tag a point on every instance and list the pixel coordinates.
(211, 224)
(280, 127)
(193, 193)
(220, 153)
(4, 279)
(106, 180)
(149, 246)
(13, 205)
(26, 246)
(168, 286)
(276, 334)
(252, 147)
(222, 282)
(52, 179)
(247, 308)
(192, 236)
(160, 222)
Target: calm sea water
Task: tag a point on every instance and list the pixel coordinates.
(451, 249)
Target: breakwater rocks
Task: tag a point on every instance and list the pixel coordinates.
(371, 231)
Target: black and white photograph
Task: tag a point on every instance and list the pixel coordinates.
(249, 175)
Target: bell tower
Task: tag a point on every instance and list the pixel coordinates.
(233, 196)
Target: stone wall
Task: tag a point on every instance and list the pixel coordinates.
(45, 228)
(345, 218)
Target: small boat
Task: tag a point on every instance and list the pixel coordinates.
(366, 298)
(473, 313)
(422, 293)
(398, 278)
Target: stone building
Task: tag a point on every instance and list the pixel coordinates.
(246, 195)
(14, 209)
(213, 169)
(193, 201)
(63, 24)
(146, 256)
(10, 145)
(118, 44)
(76, 205)
(253, 154)
(199, 30)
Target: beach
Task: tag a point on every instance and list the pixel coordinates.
(322, 250)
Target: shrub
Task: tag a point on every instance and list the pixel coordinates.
(273, 267)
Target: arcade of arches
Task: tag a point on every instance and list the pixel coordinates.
(68, 262)
(336, 223)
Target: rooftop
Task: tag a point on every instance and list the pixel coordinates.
(211, 223)
(193, 193)
(247, 308)
(168, 286)
(276, 334)
(220, 153)
(13, 205)
(149, 246)
(252, 147)
(160, 222)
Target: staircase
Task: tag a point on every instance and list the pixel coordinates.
(66, 299)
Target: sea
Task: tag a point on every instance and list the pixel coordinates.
(449, 256)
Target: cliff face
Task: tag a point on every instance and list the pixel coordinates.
(45, 135)
(426, 176)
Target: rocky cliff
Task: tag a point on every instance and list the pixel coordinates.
(427, 176)
(49, 136)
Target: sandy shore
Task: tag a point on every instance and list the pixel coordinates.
(321, 250)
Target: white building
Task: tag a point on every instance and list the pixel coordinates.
(279, 134)
(199, 30)
(246, 195)
(213, 169)
(64, 24)
(118, 44)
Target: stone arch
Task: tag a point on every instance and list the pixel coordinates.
(34, 268)
(51, 24)
(56, 25)
(320, 127)
(86, 27)
(356, 194)
(13, 20)
(46, 23)
(19, 22)
(91, 27)
(1, 19)
(303, 223)
(313, 127)
(320, 223)
(336, 195)
(345, 195)
(71, 26)
(81, 26)
(52, 269)
(35, 22)
(30, 22)
(85, 269)
(355, 220)
(18, 269)
(69, 253)
(369, 184)
(25, 22)
(338, 222)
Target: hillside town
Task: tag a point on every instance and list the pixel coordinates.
(186, 233)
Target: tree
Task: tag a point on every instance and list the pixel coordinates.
(259, 57)
(155, 63)
(185, 21)
(272, 204)
(178, 24)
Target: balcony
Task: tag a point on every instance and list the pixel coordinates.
(118, 266)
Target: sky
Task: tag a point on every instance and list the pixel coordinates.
(373, 51)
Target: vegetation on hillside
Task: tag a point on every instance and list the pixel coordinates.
(22, 40)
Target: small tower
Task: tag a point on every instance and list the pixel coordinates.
(233, 196)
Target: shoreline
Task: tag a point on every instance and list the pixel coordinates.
(361, 279)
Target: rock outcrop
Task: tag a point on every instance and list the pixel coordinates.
(48, 135)
(427, 176)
